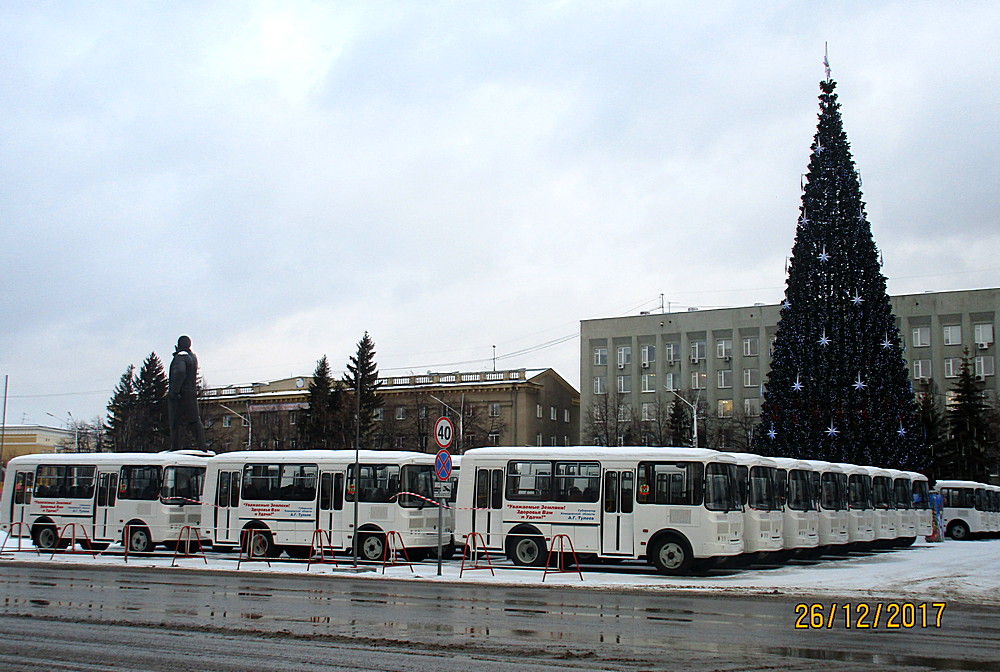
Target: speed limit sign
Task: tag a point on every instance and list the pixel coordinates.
(444, 432)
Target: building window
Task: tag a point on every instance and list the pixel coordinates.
(494, 438)
(553, 414)
(673, 381)
(624, 356)
(949, 398)
(423, 412)
(600, 384)
(673, 351)
(246, 420)
(401, 412)
(953, 335)
(624, 384)
(565, 440)
(648, 411)
(751, 407)
(697, 351)
(538, 439)
(538, 410)
(751, 377)
(377, 414)
(921, 337)
(921, 368)
(552, 441)
(293, 418)
(725, 378)
(227, 421)
(985, 366)
(724, 348)
(600, 356)
(983, 334)
(725, 408)
(649, 382)
(494, 411)
(699, 380)
(952, 367)
(565, 415)
(751, 346)
(648, 355)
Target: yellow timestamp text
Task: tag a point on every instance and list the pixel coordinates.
(868, 615)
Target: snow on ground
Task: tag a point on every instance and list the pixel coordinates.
(960, 571)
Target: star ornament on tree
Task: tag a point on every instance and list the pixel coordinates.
(832, 431)
(824, 255)
(797, 385)
(902, 430)
(772, 433)
(886, 344)
(859, 384)
(824, 340)
(803, 220)
(857, 300)
(819, 147)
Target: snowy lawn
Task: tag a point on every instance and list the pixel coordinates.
(967, 571)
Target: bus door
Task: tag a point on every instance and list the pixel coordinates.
(617, 507)
(487, 516)
(330, 508)
(104, 511)
(20, 502)
(227, 503)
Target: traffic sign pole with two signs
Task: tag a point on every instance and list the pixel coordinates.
(444, 434)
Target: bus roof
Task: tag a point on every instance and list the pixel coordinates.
(598, 453)
(323, 455)
(164, 458)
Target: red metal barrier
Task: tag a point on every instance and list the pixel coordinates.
(247, 538)
(325, 544)
(73, 541)
(20, 536)
(474, 544)
(185, 542)
(390, 554)
(560, 554)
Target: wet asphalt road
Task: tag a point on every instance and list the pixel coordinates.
(130, 618)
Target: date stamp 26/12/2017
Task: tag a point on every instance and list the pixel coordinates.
(868, 615)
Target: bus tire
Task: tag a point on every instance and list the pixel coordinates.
(671, 554)
(526, 551)
(45, 537)
(958, 531)
(371, 547)
(257, 543)
(139, 540)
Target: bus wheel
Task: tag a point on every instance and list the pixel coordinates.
(958, 531)
(371, 547)
(139, 539)
(671, 555)
(258, 544)
(526, 551)
(45, 537)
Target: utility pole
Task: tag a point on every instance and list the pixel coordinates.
(694, 415)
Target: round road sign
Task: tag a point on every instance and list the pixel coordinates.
(444, 432)
(442, 465)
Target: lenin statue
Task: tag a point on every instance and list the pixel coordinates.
(182, 397)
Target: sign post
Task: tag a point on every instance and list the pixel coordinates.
(444, 433)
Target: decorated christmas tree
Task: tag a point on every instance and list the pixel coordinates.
(838, 389)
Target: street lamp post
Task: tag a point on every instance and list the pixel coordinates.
(246, 419)
(694, 415)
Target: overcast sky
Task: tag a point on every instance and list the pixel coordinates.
(276, 178)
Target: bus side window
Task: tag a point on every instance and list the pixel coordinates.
(482, 489)
(496, 493)
(102, 490)
(234, 490)
(19, 488)
(222, 496)
(112, 489)
(325, 491)
(338, 492)
(611, 492)
(628, 496)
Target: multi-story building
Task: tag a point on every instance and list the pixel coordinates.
(633, 368)
(515, 407)
(28, 439)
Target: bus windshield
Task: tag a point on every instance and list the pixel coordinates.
(920, 495)
(763, 490)
(182, 485)
(860, 491)
(418, 479)
(799, 495)
(720, 487)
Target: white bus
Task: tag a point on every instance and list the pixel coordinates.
(830, 488)
(668, 505)
(151, 495)
(965, 508)
(284, 497)
(883, 502)
(922, 513)
(801, 518)
(763, 520)
(906, 515)
(861, 513)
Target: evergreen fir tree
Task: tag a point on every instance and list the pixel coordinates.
(324, 423)
(970, 449)
(120, 425)
(930, 426)
(151, 424)
(680, 424)
(362, 374)
(838, 389)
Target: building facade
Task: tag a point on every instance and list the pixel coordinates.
(515, 407)
(633, 368)
(29, 439)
